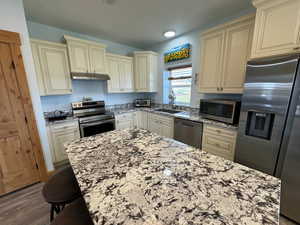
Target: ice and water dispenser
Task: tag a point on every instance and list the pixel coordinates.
(260, 124)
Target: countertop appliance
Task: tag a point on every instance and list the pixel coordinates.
(268, 136)
(93, 118)
(188, 132)
(227, 111)
(142, 103)
(56, 115)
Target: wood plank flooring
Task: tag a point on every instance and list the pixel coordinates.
(27, 207)
(24, 207)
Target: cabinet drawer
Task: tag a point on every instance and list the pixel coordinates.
(218, 146)
(161, 119)
(220, 131)
(65, 126)
(125, 116)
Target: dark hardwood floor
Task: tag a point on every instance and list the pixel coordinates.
(27, 207)
(24, 207)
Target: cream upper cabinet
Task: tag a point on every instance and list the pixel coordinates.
(86, 56)
(97, 59)
(237, 51)
(211, 59)
(52, 68)
(120, 70)
(224, 53)
(277, 28)
(145, 71)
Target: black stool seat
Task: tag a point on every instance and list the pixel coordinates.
(74, 214)
(61, 189)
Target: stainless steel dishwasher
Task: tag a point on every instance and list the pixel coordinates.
(188, 132)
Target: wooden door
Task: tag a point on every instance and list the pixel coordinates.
(97, 59)
(277, 28)
(79, 57)
(126, 75)
(211, 61)
(142, 62)
(55, 68)
(18, 167)
(113, 84)
(237, 49)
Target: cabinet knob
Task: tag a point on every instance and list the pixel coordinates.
(297, 48)
(221, 89)
(218, 89)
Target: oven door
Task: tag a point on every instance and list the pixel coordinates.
(93, 128)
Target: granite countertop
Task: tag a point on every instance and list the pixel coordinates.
(182, 114)
(135, 177)
(66, 120)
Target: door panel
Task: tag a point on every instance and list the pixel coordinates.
(97, 59)
(141, 73)
(268, 88)
(126, 75)
(79, 57)
(238, 43)
(18, 165)
(211, 62)
(268, 39)
(54, 62)
(113, 72)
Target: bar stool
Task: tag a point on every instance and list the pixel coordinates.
(61, 189)
(74, 214)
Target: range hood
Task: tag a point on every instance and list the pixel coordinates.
(89, 76)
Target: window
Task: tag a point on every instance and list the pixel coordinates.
(180, 84)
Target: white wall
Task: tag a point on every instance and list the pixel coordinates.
(12, 18)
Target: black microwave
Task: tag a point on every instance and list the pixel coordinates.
(227, 111)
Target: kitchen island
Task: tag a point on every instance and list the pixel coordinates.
(133, 177)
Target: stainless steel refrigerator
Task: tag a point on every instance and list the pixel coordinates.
(269, 127)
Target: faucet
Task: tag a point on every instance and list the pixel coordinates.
(172, 99)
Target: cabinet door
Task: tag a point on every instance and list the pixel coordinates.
(97, 59)
(55, 67)
(277, 28)
(60, 138)
(38, 68)
(79, 57)
(126, 75)
(212, 50)
(167, 130)
(141, 72)
(237, 49)
(154, 126)
(113, 71)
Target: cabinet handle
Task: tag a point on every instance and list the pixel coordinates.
(297, 48)
(217, 145)
(221, 89)
(218, 89)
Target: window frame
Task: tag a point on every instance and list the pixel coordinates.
(181, 86)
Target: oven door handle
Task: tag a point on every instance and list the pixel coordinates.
(83, 125)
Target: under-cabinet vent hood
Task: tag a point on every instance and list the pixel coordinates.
(89, 76)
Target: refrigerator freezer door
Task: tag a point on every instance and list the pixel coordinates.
(267, 92)
(290, 176)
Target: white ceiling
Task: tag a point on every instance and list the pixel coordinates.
(139, 23)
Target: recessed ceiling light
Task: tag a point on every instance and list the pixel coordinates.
(169, 33)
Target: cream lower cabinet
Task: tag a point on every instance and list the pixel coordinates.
(224, 53)
(120, 70)
(161, 125)
(125, 121)
(52, 67)
(60, 134)
(86, 56)
(277, 28)
(142, 119)
(219, 141)
(145, 71)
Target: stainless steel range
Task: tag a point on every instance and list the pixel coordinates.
(93, 118)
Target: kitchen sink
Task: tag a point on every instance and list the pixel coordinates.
(167, 111)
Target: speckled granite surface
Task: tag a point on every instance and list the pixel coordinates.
(183, 115)
(134, 177)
